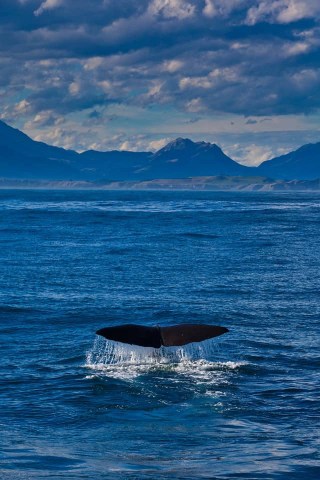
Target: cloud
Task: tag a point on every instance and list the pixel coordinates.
(62, 59)
(256, 154)
(195, 105)
(172, 66)
(221, 8)
(282, 11)
(48, 5)
(250, 121)
(22, 106)
(155, 145)
(209, 9)
(179, 9)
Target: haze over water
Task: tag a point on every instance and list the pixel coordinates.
(244, 405)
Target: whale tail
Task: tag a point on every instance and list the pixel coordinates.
(176, 335)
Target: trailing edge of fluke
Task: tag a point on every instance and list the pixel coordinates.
(157, 337)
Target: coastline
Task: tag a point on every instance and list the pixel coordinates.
(214, 183)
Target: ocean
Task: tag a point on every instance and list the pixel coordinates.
(241, 406)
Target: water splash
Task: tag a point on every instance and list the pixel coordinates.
(119, 360)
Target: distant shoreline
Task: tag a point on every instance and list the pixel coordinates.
(214, 183)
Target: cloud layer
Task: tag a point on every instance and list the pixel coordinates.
(62, 59)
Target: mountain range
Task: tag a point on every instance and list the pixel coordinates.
(24, 158)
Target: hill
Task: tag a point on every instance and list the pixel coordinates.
(302, 164)
(24, 158)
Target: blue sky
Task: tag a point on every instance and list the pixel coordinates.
(136, 74)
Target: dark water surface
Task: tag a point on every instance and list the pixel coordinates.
(245, 405)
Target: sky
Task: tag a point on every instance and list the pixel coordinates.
(136, 74)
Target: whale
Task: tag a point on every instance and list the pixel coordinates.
(157, 337)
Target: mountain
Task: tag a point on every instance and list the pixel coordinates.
(24, 158)
(302, 164)
(183, 158)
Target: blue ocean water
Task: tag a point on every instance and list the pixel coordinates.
(244, 405)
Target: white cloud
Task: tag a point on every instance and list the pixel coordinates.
(209, 9)
(23, 106)
(251, 155)
(306, 79)
(74, 88)
(136, 143)
(215, 77)
(297, 48)
(93, 63)
(227, 74)
(48, 5)
(155, 145)
(125, 146)
(282, 11)
(172, 66)
(260, 12)
(61, 137)
(214, 8)
(239, 46)
(256, 154)
(198, 82)
(105, 85)
(293, 10)
(195, 105)
(44, 119)
(172, 8)
(155, 90)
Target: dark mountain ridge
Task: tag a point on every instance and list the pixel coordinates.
(302, 164)
(184, 158)
(24, 158)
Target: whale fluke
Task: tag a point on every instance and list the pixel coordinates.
(174, 336)
(187, 333)
(133, 334)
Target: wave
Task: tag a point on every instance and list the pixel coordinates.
(199, 235)
(16, 309)
(154, 206)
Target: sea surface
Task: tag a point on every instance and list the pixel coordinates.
(241, 406)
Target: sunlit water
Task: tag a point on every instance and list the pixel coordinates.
(75, 406)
